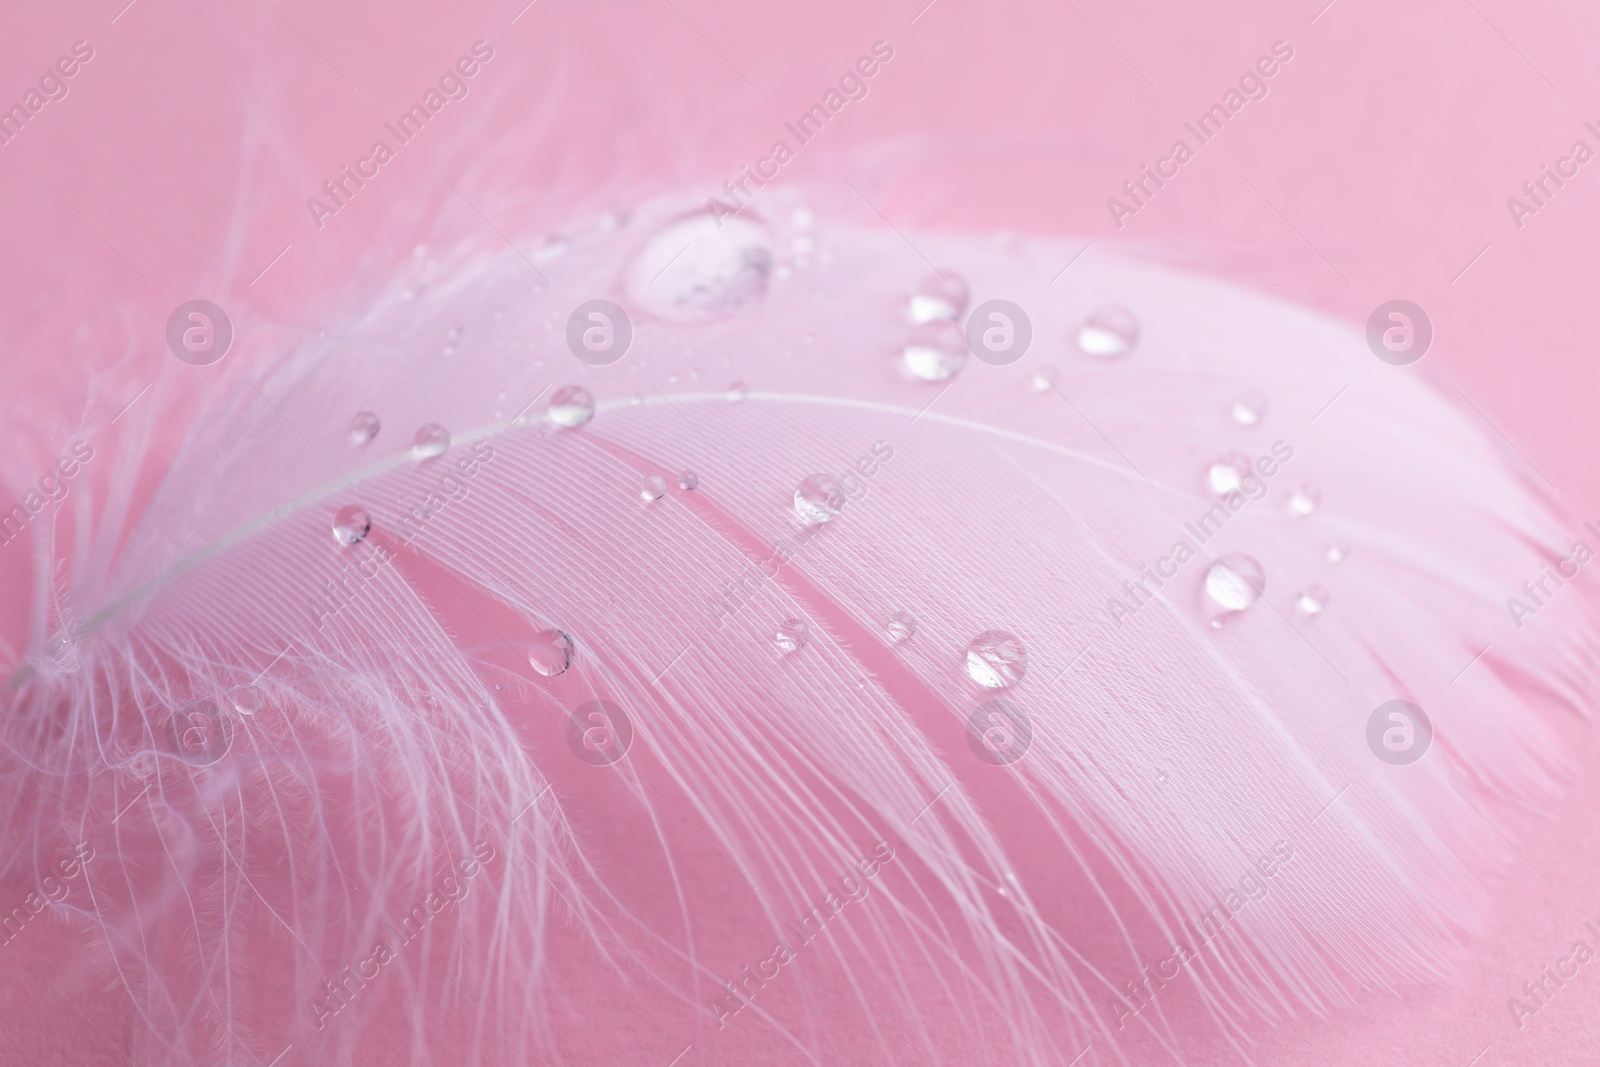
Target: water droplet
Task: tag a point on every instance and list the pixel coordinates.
(901, 627)
(1249, 409)
(818, 499)
(550, 653)
(688, 480)
(1109, 332)
(248, 699)
(1043, 380)
(700, 267)
(1304, 500)
(1335, 553)
(996, 659)
(1163, 776)
(1312, 601)
(653, 489)
(430, 440)
(1233, 583)
(1226, 472)
(351, 525)
(935, 351)
(738, 391)
(940, 295)
(572, 405)
(792, 636)
(364, 427)
(802, 218)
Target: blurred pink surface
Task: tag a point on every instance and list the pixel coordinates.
(1377, 166)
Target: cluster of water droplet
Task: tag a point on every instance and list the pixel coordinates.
(936, 349)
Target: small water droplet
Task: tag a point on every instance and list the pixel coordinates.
(572, 405)
(351, 525)
(248, 699)
(1226, 473)
(364, 427)
(935, 351)
(940, 295)
(1162, 776)
(688, 480)
(1335, 553)
(1312, 601)
(653, 489)
(550, 653)
(700, 267)
(818, 499)
(430, 441)
(792, 636)
(901, 627)
(996, 659)
(1043, 380)
(1109, 332)
(1249, 409)
(1233, 583)
(738, 391)
(1304, 500)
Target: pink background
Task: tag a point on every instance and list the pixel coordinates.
(1390, 142)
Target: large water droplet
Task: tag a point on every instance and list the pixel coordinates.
(1043, 380)
(901, 627)
(1226, 473)
(351, 525)
(550, 653)
(996, 659)
(364, 427)
(940, 295)
(1249, 409)
(738, 391)
(430, 441)
(1312, 601)
(818, 499)
(1109, 332)
(935, 351)
(688, 480)
(248, 699)
(792, 635)
(653, 489)
(572, 405)
(1304, 500)
(700, 267)
(1233, 583)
